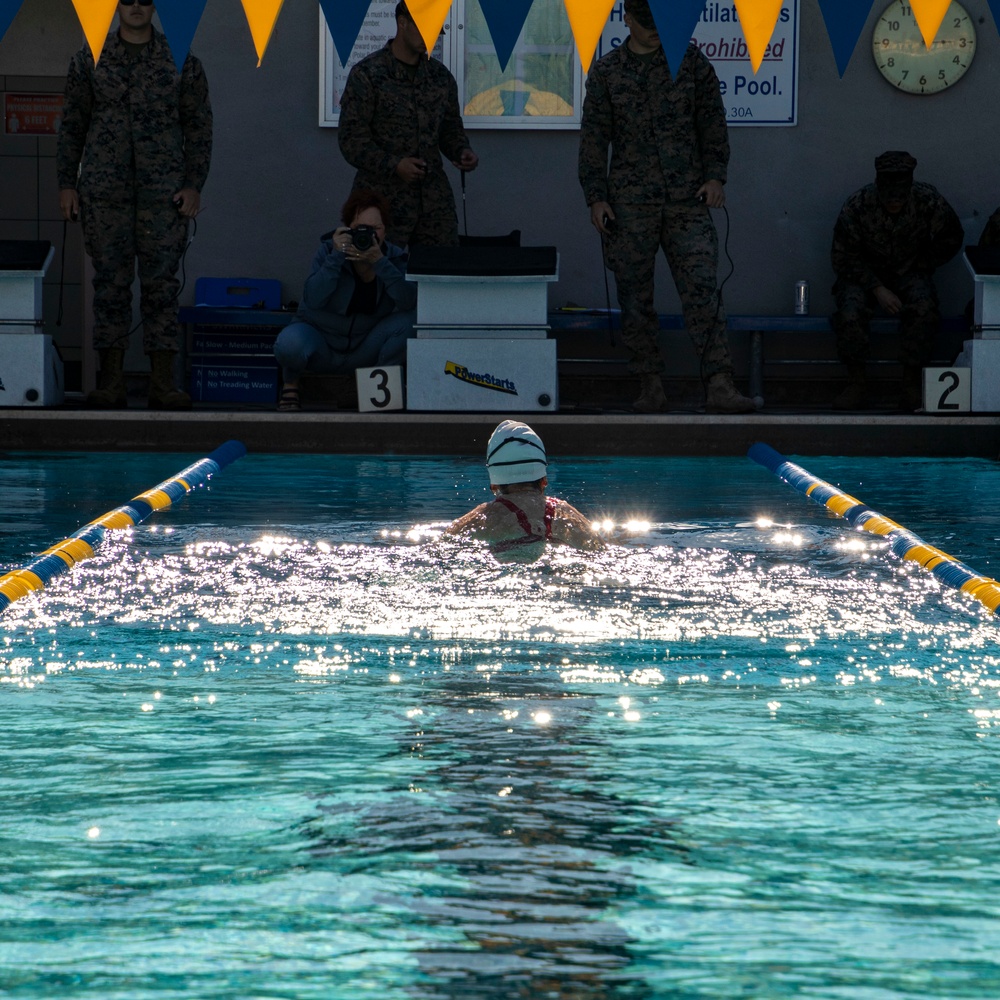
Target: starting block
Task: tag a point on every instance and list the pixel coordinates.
(31, 371)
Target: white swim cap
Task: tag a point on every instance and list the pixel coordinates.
(515, 454)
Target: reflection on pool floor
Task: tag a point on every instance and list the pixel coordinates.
(290, 757)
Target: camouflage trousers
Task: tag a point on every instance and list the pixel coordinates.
(690, 243)
(116, 235)
(919, 319)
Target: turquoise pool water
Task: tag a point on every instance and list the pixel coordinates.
(277, 742)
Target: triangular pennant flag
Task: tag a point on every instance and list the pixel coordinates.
(261, 16)
(995, 8)
(505, 19)
(179, 20)
(8, 11)
(929, 15)
(344, 19)
(845, 20)
(95, 18)
(758, 19)
(675, 24)
(586, 20)
(428, 16)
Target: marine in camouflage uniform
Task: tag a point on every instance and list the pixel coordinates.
(135, 134)
(668, 147)
(399, 112)
(890, 237)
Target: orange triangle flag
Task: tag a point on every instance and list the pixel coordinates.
(929, 15)
(758, 18)
(261, 16)
(429, 17)
(95, 18)
(586, 20)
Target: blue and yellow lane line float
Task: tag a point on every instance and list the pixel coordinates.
(903, 543)
(81, 545)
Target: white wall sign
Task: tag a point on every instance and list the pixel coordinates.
(770, 97)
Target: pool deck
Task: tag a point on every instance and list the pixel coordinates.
(565, 433)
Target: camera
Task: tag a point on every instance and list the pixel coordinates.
(363, 237)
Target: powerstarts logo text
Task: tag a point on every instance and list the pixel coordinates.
(484, 381)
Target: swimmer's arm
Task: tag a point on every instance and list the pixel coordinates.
(572, 528)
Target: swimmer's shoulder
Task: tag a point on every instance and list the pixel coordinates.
(571, 527)
(469, 523)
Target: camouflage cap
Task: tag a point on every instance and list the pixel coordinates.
(895, 162)
(639, 9)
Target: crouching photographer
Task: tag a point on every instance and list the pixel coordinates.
(357, 308)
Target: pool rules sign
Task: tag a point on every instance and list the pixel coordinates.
(768, 98)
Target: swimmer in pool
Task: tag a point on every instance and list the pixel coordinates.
(522, 520)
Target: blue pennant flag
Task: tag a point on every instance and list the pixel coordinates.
(8, 11)
(179, 19)
(845, 20)
(344, 19)
(505, 19)
(995, 10)
(675, 23)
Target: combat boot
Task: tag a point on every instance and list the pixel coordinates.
(911, 394)
(855, 395)
(163, 395)
(721, 396)
(110, 393)
(652, 398)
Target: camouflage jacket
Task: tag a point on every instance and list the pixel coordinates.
(870, 245)
(667, 136)
(385, 116)
(132, 122)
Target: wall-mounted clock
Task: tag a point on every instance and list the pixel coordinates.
(904, 60)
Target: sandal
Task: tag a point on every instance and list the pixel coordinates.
(289, 399)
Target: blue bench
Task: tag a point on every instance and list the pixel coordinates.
(755, 326)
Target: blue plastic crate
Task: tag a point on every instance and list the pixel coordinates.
(248, 293)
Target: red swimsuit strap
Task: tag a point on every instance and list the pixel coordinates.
(522, 518)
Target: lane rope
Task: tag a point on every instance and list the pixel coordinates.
(38, 573)
(902, 542)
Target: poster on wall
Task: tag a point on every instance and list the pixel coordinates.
(32, 114)
(768, 98)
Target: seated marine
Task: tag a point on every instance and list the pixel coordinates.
(520, 523)
(889, 239)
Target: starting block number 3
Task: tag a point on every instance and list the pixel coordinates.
(380, 388)
(947, 390)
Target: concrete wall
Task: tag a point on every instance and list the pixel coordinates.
(278, 179)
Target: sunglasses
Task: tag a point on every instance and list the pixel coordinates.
(132, 3)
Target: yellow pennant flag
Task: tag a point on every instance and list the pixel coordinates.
(428, 16)
(929, 15)
(758, 18)
(261, 16)
(586, 20)
(95, 18)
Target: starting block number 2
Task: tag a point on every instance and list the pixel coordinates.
(380, 388)
(947, 390)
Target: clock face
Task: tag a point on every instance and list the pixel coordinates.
(904, 60)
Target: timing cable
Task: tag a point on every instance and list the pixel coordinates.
(718, 305)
